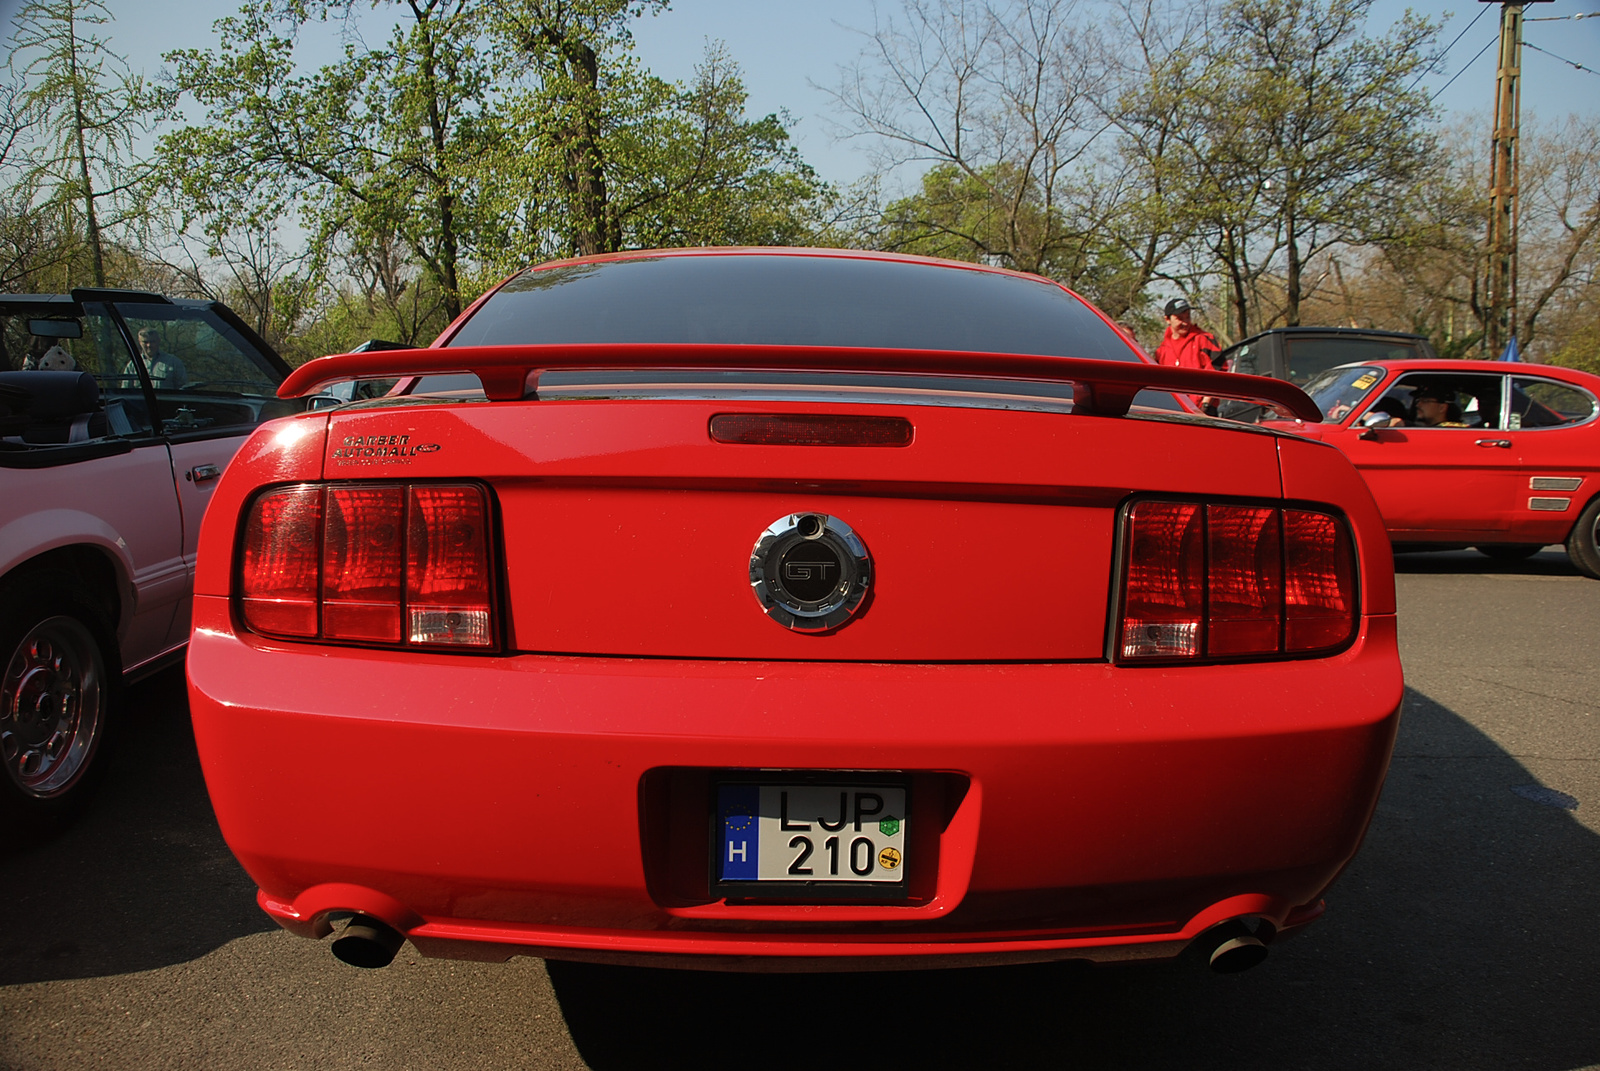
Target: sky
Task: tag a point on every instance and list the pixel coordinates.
(791, 50)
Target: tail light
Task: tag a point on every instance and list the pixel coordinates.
(387, 564)
(1212, 581)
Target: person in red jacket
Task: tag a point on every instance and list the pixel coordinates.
(1184, 345)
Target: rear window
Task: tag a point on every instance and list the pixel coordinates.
(1541, 403)
(789, 300)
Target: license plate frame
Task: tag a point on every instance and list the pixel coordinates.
(777, 822)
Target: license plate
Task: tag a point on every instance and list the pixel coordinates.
(841, 835)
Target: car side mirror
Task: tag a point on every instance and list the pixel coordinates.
(1375, 419)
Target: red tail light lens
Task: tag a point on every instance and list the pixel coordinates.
(447, 575)
(1217, 581)
(363, 563)
(1163, 604)
(1244, 568)
(1320, 566)
(282, 557)
(390, 564)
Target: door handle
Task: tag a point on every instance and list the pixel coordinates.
(205, 473)
(1504, 444)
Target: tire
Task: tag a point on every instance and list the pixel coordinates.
(60, 680)
(1583, 545)
(1509, 552)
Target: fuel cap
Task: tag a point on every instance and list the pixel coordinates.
(810, 572)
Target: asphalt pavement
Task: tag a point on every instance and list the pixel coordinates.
(1465, 935)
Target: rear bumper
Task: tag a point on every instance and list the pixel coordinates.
(558, 806)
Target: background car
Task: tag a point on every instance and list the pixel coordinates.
(1514, 467)
(791, 609)
(118, 411)
(1301, 354)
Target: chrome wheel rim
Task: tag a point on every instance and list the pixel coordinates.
(52, 707)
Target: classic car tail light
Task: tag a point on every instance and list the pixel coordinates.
(388, 564)
(1216, 581)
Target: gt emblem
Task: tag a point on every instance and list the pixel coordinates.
(810, 572)
(803, 570)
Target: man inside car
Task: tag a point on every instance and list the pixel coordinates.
(166, 371)
(1434, 407)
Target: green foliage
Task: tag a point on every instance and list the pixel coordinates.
(1582, 349)
(998, 215)
(478, 137)
(387, 145)
(83, 111)
(1301, 136)
(628, 160)
(691, 170)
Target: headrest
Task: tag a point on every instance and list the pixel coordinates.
(56, 395)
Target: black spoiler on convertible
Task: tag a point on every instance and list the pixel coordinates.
(511, 373)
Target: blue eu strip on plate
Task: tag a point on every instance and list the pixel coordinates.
(739, 806)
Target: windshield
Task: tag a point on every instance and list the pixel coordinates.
(1309, 357)
(1341, 390)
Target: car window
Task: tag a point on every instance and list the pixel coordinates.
(1246, 358)
(1310, 357)
(86, 342)
(792, 301)
(1468, 401)
(204, 373)
(1341, 390)
(1541, 403)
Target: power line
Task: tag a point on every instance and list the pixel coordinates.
(1563, 59)
(1447, 48)
(1469, 63)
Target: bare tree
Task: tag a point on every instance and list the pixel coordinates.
(1001, 101)
(1559, 230)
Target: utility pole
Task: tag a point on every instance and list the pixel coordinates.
(1501, 285)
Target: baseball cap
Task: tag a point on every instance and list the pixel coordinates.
(1177, 305)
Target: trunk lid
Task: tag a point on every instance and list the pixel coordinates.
(626, 530)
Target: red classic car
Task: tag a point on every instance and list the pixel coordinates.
(1504, 457)
(791, 609)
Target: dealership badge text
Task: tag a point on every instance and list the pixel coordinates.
(379, 450)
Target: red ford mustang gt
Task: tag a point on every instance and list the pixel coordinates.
(1504, 457)
(791, 609)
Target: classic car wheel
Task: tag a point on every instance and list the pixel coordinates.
(55, 696)
(1509, 552)
(1583, 545)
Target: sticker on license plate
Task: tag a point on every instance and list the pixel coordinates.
(811, 833)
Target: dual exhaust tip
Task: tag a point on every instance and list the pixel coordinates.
(1233, 946)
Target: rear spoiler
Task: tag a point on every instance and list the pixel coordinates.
(510, 373)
